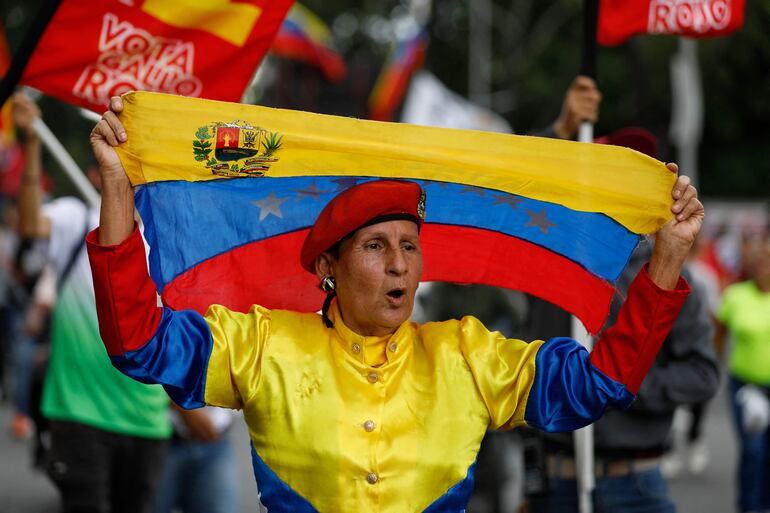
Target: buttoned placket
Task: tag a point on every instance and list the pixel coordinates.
(376, 381)
(371, 428)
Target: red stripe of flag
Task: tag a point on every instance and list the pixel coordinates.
(231, 278)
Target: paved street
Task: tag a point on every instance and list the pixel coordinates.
(23, 490)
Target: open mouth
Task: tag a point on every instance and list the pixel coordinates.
(396, 293)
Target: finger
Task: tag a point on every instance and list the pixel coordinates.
(115, 125)
(116, 104)
(103, 130)
(591, 115)
(583, 82)
(588, 110)
(689, 193)
(585, 111)
(673, 167)
(692, 207)
(680, 186)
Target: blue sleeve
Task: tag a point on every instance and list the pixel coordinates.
(176, 356)
(568, 392)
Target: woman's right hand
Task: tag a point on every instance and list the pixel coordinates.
(116, 220)
(106, 135)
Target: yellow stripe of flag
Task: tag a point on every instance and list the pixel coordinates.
(167, 133)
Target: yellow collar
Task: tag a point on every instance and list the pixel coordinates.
(371, 351)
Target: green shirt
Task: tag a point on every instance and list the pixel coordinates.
(81, 384)
(745, 310)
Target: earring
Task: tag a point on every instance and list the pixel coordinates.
(328, 284)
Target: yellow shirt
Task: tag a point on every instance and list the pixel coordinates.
(345, 421)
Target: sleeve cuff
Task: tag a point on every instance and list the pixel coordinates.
(628, 349)
(682, 288)
(92, 241)
(126, 299)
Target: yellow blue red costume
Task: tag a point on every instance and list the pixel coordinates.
(341, 422)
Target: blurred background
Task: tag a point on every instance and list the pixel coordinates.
(517, 58)
(707, 102)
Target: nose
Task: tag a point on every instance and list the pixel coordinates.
(397, 265)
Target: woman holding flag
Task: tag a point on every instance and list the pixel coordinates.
(358, 408)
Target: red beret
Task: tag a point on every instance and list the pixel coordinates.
(362, 205)
(632, 137)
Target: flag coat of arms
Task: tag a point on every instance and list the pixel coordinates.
(91, 51)
(227, 193)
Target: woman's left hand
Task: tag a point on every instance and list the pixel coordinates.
(674, 240)
(688, 212)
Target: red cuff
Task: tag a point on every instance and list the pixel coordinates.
(627, 350)
(126, 300)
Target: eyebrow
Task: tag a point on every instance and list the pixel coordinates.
(383, 235)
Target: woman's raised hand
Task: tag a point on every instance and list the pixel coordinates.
(105, 136)
(674, 240)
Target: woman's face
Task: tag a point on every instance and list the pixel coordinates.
(377, 274)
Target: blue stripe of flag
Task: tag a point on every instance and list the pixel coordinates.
(188, 223)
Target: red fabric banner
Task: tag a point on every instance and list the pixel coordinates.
(5, 53)
(91, 51)
(621, 19)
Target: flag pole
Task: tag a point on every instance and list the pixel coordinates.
(67, 163)
(584, 438)
(686, 106)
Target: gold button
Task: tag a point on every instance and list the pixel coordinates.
(356, 348)
(393, 347)
(369, 425)
(373, 377)
(372, 478)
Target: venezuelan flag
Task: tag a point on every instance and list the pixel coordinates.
(406, 57)
(227, 193)
(304, 37)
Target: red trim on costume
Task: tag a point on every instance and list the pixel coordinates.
(628, 349)
(126, 300)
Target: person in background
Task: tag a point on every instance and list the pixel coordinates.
(499, 483)
(200, 474)
(108, 433)
(581, 103)
(629, 444)
(745, 313)
(689, 449)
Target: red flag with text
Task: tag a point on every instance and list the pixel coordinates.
(91, 51)
(621, 19)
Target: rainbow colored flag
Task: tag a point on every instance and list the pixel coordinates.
(227, 193)
(304, 37)
(406, 57)
(7, 131)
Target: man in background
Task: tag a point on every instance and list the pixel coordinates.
(108, 432)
